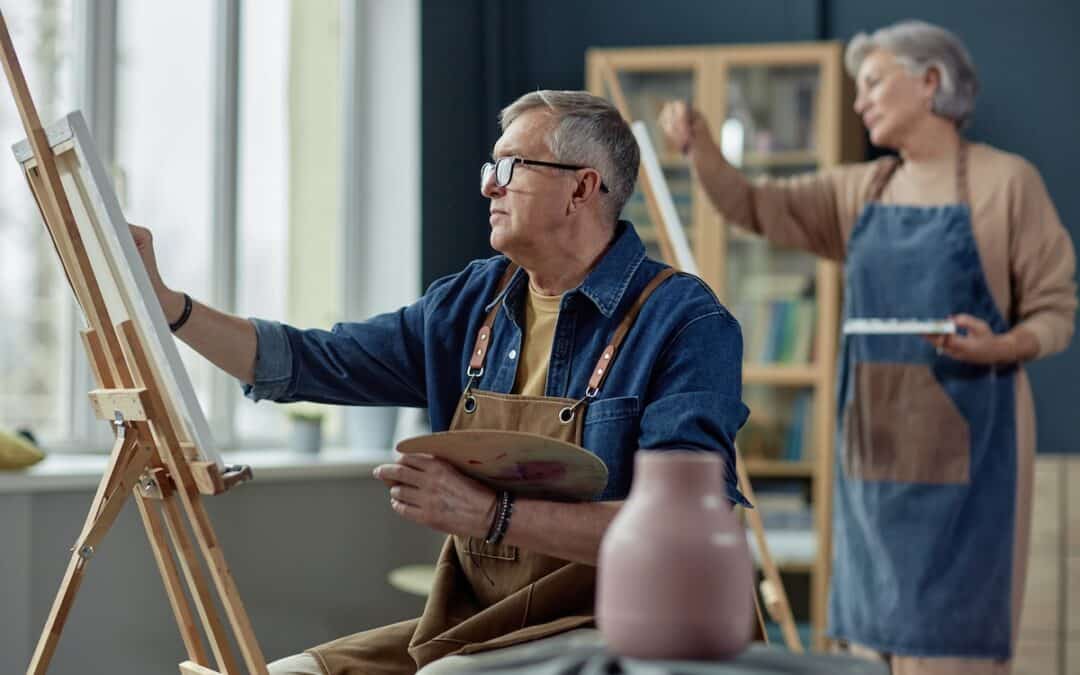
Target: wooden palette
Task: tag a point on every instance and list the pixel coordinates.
(528, 465)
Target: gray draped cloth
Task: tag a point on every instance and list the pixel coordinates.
(583, 653)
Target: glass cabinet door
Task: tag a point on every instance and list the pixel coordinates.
(770, 129)
(645, 93)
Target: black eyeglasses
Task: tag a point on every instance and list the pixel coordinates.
(503, 169)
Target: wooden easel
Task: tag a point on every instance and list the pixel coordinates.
(152, 458)
(772, 586)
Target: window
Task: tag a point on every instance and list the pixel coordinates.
(36, 305)
(232, 134)
(165, 143)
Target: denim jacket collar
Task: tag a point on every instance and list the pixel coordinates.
(606, 284)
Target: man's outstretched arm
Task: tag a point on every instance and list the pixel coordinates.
(227, 341)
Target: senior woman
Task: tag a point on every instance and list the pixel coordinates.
(936, 442)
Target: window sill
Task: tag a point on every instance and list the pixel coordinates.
(73, 472)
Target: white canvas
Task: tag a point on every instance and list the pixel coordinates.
(119, 271)
(669, 217)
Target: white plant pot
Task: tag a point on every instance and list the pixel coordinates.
(305, 434)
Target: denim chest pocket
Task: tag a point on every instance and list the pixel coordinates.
(611, 433)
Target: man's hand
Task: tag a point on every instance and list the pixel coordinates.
(432, 492)
(172, 303)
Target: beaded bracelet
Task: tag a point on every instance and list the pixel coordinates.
(501, 522)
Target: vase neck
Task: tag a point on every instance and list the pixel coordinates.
(678, 472)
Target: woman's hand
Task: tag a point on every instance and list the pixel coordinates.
(977, 344)
(431, 492)
(682, 126)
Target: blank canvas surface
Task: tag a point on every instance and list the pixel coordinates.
(120, 274)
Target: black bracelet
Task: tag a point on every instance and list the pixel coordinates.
(184, 316)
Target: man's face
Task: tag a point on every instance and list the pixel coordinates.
(534, 205)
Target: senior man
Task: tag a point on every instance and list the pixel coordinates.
(573, 333)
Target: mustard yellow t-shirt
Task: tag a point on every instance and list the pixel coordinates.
(541, 314)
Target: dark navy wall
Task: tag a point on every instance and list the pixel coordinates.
(479, 55)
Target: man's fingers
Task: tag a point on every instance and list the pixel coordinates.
(406, 494)
(398, 473)
(402, 509)
(419, 461)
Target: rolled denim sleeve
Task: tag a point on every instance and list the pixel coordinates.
(380, 361)
(695, 400)
(273, 362)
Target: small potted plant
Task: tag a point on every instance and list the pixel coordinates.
(305, 421)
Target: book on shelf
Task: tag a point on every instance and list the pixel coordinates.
(779, 429)
(777, 313)
(798, 432)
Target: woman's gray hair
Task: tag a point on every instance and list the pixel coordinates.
(920, 46)
(588, 131)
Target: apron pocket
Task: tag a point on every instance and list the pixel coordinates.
(901, 426)
(478, 548)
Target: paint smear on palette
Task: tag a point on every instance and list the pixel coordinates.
(534, 471)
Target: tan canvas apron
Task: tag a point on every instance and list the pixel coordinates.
(491, 596)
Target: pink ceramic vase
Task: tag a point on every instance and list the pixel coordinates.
(675, 574)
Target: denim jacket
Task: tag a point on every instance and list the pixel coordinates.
(675, 383)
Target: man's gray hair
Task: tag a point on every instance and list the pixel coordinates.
(588, 131)
(920, 46)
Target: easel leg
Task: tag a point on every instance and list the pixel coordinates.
(185, 621)
(200, 590)
(776, 600)
(219, 572)
(125, 463)
(54, 625)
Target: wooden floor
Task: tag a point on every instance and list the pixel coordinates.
(1050, 624)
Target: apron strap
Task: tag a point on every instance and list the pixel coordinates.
(603, 365)
(879, 183)
(483, 336)
(962, 192)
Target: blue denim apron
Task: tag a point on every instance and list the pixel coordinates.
(923, 519)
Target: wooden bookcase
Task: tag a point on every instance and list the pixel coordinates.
(776, 109)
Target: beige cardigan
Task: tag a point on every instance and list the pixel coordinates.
(1026, 253)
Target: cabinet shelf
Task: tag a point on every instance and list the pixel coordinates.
(802, 375)
(779, 468)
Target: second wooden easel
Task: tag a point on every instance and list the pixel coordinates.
(152, 457)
